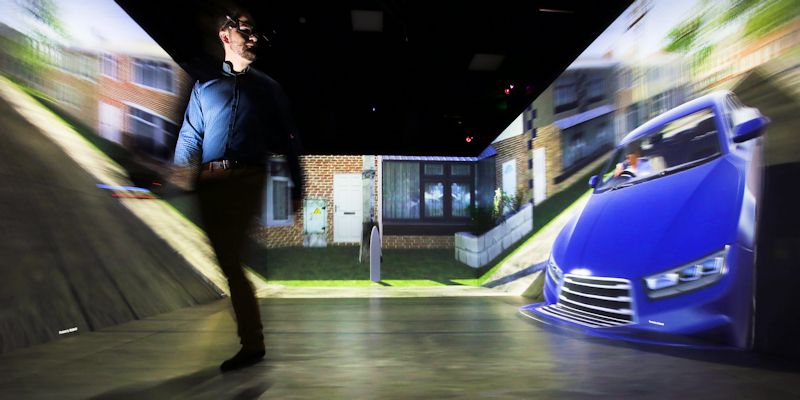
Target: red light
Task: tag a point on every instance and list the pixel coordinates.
(507, 91)
(469, 139)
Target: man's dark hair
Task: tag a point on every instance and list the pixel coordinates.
(229, 17)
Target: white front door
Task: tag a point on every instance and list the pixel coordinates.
(510, 178)
(347, 204)
(539, 176)
(110, 122)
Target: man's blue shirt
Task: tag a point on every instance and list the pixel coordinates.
(236, 116)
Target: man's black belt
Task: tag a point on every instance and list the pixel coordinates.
(229, 164)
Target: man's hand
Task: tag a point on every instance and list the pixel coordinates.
(183, 177)
(618, 169)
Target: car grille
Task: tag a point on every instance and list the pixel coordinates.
(593, 301)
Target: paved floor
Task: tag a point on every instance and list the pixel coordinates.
(376, 348)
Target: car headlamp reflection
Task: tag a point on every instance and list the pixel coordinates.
(689, 277)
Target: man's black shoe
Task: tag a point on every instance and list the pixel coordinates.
(242, 359)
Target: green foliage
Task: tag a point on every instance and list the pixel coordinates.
(702, 55)
(770, 15)
(684, 36)
(45, 12)
(695, 36)
(482, 219)
(504, 203)
(737, 9)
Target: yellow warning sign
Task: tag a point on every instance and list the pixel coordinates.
(317, 211)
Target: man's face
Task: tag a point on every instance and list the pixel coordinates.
(632, 158)
(242, 40)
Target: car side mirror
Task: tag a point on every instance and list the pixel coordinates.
(750, 124)
(593, 181)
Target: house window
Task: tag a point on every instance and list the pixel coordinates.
(594, 88)
(80, 64)
(461, 195)
(460, 169)
(67, 95)
(565, 96)
(419, 191)
(434, 169)
(277, 199)
(152, 134)
(632, 114)
(659, 103)
(401, 190)
(574, 150)
(434, 199)
(154, 74)
(108, 65)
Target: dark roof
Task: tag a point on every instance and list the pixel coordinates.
(433, 75)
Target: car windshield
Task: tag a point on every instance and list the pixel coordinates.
(675, 146)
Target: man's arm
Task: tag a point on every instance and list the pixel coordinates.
(189, 149)
(294, 147)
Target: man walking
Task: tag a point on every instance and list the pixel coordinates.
(232, 124)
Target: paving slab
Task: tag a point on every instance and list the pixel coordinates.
(379, 348)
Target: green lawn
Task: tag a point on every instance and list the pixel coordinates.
(556, 204)
(339, 265)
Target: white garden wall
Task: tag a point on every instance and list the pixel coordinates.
(477, 251)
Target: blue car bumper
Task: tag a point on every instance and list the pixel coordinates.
(718, 315)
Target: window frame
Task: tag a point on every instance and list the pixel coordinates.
(566, 86)
(109, 60)
(420, 225)
(595, 88)
(155, 69)
(160, 127)
(277, 171)
(269, 212)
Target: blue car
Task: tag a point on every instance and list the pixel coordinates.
(664, 250)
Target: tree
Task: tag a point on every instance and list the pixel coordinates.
(44, 30)
(759, 17)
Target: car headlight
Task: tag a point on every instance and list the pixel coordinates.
(553, 270)
(689, 277)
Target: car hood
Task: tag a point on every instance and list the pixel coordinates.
(654, 225)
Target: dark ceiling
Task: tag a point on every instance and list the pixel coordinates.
(434, 75)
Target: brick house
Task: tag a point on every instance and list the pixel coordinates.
(72, 83)
(135, 100)
(418, 202)
(513, 164)
(141, 100)
(571, 125)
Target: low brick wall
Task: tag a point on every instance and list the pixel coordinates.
(477, 251)
(417, 242)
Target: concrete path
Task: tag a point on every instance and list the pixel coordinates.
(289, 292)
(534, 251)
